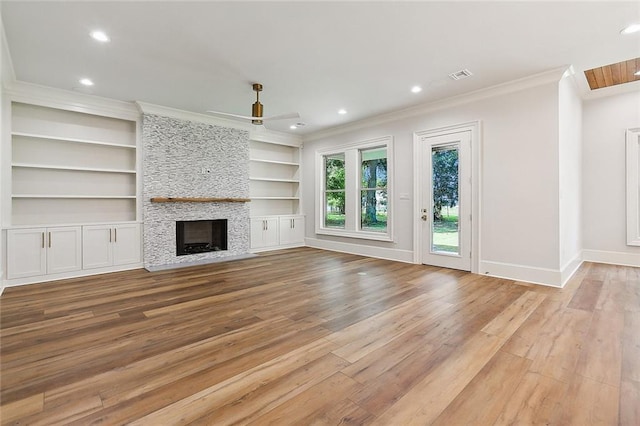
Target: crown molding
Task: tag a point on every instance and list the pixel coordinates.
(36, 94)
(147, 108)
(546, 77)
(257, 133)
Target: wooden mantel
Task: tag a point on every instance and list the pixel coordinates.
(198, 200)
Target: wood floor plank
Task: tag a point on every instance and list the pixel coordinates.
(629, 403)
(327, 393)
(509, 320)
(560, 343)
(589, 403)
(421, 405)
(601, 355)
(587, 295)
(484, 398)
(305, 336)
(535, 401)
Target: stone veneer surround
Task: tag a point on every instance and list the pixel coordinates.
(175, 153)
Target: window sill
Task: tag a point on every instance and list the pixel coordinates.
(362, 235)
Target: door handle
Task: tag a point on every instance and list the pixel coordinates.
(115, 235)
(43, 240)
(424, 217)
(49, 239)
(109, 234)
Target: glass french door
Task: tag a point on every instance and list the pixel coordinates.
(446, 201)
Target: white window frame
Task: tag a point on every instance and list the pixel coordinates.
(633, 187)
(351, 153)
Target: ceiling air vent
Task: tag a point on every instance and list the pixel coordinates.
(459, 75)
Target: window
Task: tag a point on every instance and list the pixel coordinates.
(354, 190)
(334, 191)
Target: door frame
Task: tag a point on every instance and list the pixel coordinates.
(474, 127)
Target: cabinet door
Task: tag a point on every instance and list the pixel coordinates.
(257, 232)
(291, 230)
(271, 232)
(126, 244)
(26, 252)
(264, 232)
(96, 246)
(64, 249)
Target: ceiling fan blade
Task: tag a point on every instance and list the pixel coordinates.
(226, 114)
(246, 117)
(280, 117)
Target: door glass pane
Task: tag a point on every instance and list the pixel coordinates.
(373, 189)
(445, 225)
(334, 191)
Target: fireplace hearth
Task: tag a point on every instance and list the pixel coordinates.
(200, 236)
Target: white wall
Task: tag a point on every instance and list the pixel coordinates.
(570, 174)
(605, 121)
(519, 187)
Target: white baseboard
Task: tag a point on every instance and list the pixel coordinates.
(612, 257)
(362, 250)
(543, 276)
(570, 268)
(66, 275)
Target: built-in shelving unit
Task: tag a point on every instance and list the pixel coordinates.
(274, 180)
(71, 167)
(274, 175)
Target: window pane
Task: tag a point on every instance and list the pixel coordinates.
(334, 210)
(445, 200)
(374, 210)
(334, 171)
(373, 170)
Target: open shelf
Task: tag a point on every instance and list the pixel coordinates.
(79, 169)
(78, 197)
(282, 163)
(72, 140)
(274, 180)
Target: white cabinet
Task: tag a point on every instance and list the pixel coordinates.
(40, 251)
(291, 230)
(110, 245)
(272, 232)
(264, 232)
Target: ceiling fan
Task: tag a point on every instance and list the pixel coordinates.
(256, 111)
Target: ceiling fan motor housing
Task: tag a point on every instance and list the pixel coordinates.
(256, 109)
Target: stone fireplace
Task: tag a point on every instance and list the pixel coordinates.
(187, 159)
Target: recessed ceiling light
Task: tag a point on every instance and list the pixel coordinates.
(86, 82)
(633, 28)
(342, 111)
(416, 89)
(100, 36)
(293, 126)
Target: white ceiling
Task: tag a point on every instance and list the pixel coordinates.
(311, 57)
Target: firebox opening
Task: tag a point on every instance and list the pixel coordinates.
(200, 236)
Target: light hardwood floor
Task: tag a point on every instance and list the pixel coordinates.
(305, 336)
